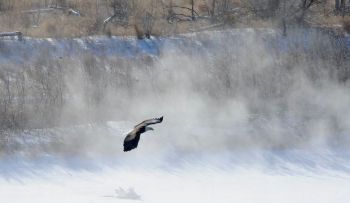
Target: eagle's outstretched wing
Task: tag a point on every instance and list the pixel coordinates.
(132, 139)
(150, 122)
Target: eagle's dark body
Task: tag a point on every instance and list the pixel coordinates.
(132, 139)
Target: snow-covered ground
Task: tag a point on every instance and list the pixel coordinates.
(167, 173)
(274, 136)
(193, 184)
(32, 49)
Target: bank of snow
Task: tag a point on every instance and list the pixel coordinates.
(31, 49)
(193, 184)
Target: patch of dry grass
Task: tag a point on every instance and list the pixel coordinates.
(94, 12)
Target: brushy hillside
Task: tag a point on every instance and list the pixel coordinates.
(53, 82)
(76, 18)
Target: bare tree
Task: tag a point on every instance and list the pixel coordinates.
(120, 12)
(340, 7)
(181, 13)
(265, 8)
(294, 12)
(304, 7)
(192, 9)
(148, 22)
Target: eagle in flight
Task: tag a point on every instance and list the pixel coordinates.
(132, 139)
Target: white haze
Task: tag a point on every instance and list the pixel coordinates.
(236, 91)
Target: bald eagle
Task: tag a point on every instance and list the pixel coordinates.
(132, 139)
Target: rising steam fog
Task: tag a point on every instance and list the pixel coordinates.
(218, 91)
